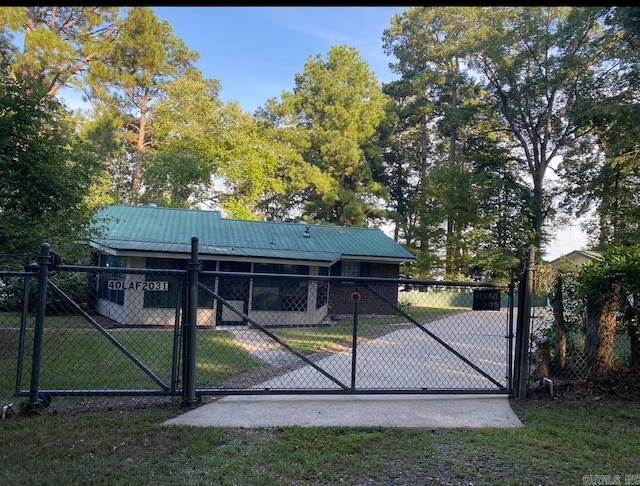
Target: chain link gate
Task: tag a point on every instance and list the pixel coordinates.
(73, 337)
(428, 340)
(190, 332)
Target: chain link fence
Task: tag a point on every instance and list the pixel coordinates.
(558, 354)
(383, 338)
(112, 330)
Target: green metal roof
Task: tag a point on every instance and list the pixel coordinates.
(155, 229)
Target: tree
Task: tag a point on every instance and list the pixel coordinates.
(59, 43)
(132, 76)
(407, 160)
(601, 177)
(45, 172)
(541, 66)
(183, 153)
(501, 230)
(628, 19)
(99, 133)
(338, 103)
(609, 288)
(206, 151)
(455, 169)
(251, 165)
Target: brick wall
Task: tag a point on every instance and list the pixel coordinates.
(340, 301)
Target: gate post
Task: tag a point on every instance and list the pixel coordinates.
(44, 260)
(525, 294)
(355, 296)
(510, 336)
(189, 391)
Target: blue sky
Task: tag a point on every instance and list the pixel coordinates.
(255, 52)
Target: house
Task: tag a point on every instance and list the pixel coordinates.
(151, 237)
(577, 257)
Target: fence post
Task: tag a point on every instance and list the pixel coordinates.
(23, 326)
(44, 260)
(510, 335)
(525, 295)
(189, 391)
(355, 296)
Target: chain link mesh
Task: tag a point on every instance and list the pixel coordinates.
(111, 330)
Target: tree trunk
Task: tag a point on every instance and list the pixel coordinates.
(544, 358)
(559, 325)
(138, 155)
(601, 332)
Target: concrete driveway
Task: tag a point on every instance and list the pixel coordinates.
(408, 359)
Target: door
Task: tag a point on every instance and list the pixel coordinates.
(235, 291)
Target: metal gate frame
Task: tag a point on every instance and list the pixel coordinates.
(185, 339)
(41, 398)
(351, 388)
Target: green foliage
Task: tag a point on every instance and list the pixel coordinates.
(627, 20)
(455, 153)
(612, 284)
(453, 167)
(44, 174)
(338, 104)
(617, 265)
(132, 75)
(564, 42)
(59, 43)
(604, 184)
(183, 152)
(74, 285)
(111, 183)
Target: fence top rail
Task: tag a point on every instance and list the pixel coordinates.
(119, 270)
(17, 273)
(251, 275)
(328, 278)
(343, 278)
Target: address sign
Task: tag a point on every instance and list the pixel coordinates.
(138, 285)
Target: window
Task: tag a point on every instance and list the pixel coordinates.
(280, 294)
(115, 296)
(170, 298)
(350, 269)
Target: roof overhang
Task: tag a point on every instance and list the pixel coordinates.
(142, 248)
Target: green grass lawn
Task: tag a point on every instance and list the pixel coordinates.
(313, 339)
(84, 359)
(561, 443)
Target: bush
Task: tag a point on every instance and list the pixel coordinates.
(74, 285)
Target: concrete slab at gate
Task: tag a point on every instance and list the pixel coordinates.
(404, 411)
(416, 410)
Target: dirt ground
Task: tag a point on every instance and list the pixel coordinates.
(621, 387)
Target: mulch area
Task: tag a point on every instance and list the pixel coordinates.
(621, 386)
